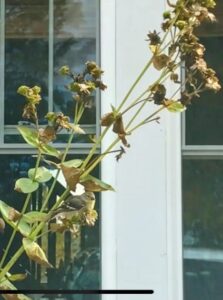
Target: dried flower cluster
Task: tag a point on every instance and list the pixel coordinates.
(182, 20)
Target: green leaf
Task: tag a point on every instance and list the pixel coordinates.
(42, 174)
(76, 163)
(93, 184)
(35, 252)
(17, 277)
(176, 107)
(23, 227)
(50, 150)
(26, 185)
(34, 216)
(29, 135)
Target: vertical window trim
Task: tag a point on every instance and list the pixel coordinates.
(108, 167)
(174, 207)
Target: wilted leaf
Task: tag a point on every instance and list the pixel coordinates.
(61, 228)
(118, 126)
(93, 184)
(42, 174)
(34, 216)
(2, 225)
(71, 175)
(35, 253)
(29, 135)
(75, 163)
(47, 134)
(14, 215)
(176, 106)
(23, 227)
(124, 140)
(160, 61)
(108, 119)
(26, 185)
(17, 277)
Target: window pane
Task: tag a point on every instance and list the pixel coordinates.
(76, 260)
(203, 229)
(26, 54)
(204, 116)
(75, 38)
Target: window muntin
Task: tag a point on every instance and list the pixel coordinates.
(53, 41)
(29, 54)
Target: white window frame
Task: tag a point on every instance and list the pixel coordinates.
(173, 209)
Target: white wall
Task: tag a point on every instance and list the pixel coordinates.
(141, 235)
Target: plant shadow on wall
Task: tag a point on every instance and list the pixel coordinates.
(73, 206)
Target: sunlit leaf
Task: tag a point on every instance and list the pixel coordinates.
(29, 135)
(77, 129)
(93, 184)
(176, 106)
(35, 253)
(50, 150)
(23, 227)
(154, 48)
(42, 174)
(17, 277)
(26, 185)
(76, 163)
(34, 216)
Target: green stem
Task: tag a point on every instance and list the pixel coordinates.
(11, 263)
(78, 114)
(22, 212)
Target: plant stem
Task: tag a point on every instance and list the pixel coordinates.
(22, 212)
(11, 262)
(78, 114)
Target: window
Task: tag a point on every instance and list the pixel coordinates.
(37, 37)
(202, 181)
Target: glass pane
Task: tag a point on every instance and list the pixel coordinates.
(26, 54)
(203, 224)
(204, 116)
(76, 260)
(75, 38)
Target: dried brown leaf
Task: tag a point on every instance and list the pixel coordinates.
(160, 61)
(71, 175)
(108, 119)
(14, 215)
(118, 126)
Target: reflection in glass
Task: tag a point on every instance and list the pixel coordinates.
(77, 263)
(203, 229)
(26, 54)
(75, 34)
